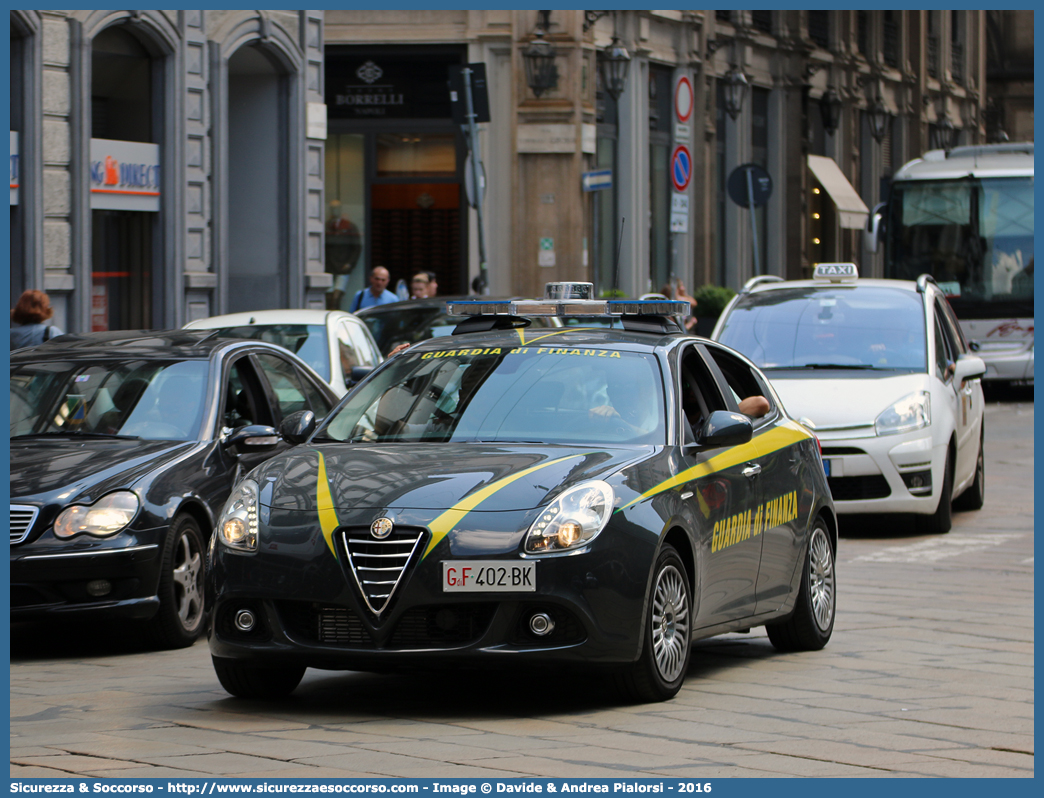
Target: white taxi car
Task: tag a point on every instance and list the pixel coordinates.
(330, 341)
(882, 372)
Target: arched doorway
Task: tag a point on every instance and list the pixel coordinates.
(258, 181)
(126, 122)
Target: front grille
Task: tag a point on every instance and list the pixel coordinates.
(22, 519)
(850, 489)
(378, 565)
(319, 623)
(446, 625)
(832, 451)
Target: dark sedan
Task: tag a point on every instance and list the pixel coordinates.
(573, 498)
(124, 446)
(417, 320)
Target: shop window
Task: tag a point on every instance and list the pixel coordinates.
(416, 155)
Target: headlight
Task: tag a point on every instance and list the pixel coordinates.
(909, 413)
(104, 518)
(237, 526)
(572, 520)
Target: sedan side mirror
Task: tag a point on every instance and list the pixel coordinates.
(872, 231)
(725, 428)
(297, 427)
(253, 437)
(968, 367)
(358, 374)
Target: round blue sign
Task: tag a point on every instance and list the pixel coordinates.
(681, 167)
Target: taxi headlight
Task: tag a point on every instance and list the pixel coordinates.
(237, 527)
(107, 516)
(572, 520)
(909, 413)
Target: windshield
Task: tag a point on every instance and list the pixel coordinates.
(408, 325)
(975, 237)
(526, 394)
(137, 399)
(307, 341)
(867, 328)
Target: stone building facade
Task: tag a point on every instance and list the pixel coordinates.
(164, 166)
(291, 151)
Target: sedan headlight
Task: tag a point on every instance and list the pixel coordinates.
(237, 527)
(909, 413)
(107, 516)
(572, 520)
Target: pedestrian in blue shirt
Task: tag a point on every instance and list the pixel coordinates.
(376, 294)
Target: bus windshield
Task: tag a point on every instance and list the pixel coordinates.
(975, 237)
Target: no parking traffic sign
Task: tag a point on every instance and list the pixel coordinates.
(681, 167)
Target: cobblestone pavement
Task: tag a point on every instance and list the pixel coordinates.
(929, 673)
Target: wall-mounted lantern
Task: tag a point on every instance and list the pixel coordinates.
(736, 87)
(539, 59)
(830, 108)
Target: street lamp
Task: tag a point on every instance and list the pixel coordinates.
(879, 117)
(830, 109)
(539, 60)
(736, 86)
(616, 61)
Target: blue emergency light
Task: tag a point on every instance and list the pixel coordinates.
(569, 299)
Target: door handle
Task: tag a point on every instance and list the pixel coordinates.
(751, 471)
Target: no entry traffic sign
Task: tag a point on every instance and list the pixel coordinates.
(681, 167)
(683, 99)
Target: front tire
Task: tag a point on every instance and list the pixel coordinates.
(181, 616)
(250, 681)
(809, 627)
(940, 522)
(974, 495)
(660, 670)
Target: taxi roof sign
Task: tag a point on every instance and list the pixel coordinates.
(836, 272)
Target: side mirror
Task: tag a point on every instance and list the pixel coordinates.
(872, 231)
(968, 367)
(725, 428)
(358, 374)
(253, 437)
(297, 427)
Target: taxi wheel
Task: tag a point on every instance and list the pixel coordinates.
(250, 681)
(974, 495)
(940, 522)
(181, 615)
(809, 627)
(659, 672)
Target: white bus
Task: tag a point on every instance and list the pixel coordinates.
(966, 217)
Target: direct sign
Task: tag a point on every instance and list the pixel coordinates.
(681, 167)
(683, 99)
(124, 175)
(759, 188)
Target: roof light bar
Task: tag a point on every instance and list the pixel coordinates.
(572, 307)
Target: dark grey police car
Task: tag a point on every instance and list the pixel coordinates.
(529, 497)
(124, 447)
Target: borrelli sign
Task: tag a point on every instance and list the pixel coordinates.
(125, 175)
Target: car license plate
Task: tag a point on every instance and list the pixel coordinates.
(488, 576)
(826, 467)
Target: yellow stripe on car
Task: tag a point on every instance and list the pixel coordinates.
(324, 504)
(777, 438)
(445, 523)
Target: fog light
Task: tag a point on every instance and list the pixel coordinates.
(99, 587)
(541, 624)
(919, 483)
(245, 620)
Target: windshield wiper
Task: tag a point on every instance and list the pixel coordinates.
(66, 434)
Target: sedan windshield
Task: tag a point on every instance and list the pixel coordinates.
(307, 341)
(529, 394)
(408, 324)
(864, 328)
(161, 400)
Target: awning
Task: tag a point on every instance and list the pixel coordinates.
(850, 207)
